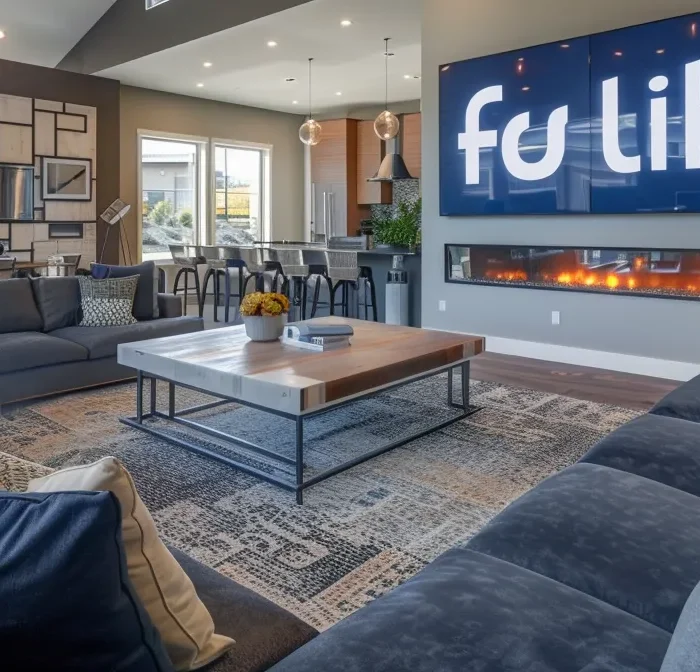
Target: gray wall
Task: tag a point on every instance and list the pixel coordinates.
(128, 31)
(454, 30)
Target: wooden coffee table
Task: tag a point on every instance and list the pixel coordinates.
(293, 383)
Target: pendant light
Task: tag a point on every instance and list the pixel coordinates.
(387, 125)
(310, 131)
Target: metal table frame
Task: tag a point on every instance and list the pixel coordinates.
(295, 481)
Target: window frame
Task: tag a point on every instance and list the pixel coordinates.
(202, 195)
(264, 228)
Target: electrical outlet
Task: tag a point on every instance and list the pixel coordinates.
(556, 318)
(442, 306)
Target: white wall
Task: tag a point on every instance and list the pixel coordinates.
(643, 329)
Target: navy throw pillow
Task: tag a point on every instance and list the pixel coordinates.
(66, 601)
(146, 299)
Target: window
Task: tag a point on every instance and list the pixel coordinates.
(171, 183)
(150, 4)
(239, 186)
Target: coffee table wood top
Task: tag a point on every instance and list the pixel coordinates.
(284, 378)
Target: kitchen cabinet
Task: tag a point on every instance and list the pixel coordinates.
(370, 152)
(335, 210)
(411, 149)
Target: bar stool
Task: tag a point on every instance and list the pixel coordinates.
(273, 267)
(248, 262)
(216, 267)
(185, 256)
(7, 267)
(344, 270)
(316, 262)
(293, 270)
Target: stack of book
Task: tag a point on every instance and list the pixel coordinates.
(318, 337)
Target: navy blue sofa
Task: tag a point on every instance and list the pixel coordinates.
(588, 572)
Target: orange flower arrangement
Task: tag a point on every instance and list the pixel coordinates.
(268, 304)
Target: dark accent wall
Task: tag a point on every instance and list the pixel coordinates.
(128, 31)
(30, 81)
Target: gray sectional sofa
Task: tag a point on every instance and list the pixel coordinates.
(588, 572)
(43, 351)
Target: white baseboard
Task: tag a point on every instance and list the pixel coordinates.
(612, 361)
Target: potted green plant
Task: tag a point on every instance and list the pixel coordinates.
(401, 229)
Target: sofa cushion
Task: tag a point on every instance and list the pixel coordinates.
(146, 298)
(103, 341)
(619, 537)
(663, 449)
(683, 402)
(185, 626)
(467, 611)
(66, 600)
(32, 349)
(264, 632)
(18, 311)
(684, 652)
(58, 300)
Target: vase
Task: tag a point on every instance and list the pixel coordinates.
(263, 328)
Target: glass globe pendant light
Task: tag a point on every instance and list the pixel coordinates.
(310, 131)
(387, 125)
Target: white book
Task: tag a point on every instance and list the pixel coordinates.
(316, 347)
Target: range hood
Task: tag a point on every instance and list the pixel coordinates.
(393, 166)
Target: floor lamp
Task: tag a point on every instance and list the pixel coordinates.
(114, 215)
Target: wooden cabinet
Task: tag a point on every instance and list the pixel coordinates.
(335, 210)
(411, 150)
(370, 152)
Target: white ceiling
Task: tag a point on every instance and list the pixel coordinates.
(42, 32)
(246, 71)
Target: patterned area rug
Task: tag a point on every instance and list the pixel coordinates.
(358, 534)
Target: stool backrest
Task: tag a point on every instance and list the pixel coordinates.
(184, 255)
(250, 256)
(208, 252)
(290, 259)
(342, 265)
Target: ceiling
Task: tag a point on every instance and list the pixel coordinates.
(42, 32)
(246, 71)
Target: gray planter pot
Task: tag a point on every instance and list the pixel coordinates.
(263, 329)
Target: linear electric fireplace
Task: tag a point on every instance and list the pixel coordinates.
(666, 274)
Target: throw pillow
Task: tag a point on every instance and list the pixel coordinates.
(18, 311)
(146, 299)
(184, 624)
(683, 653)
(66, 600)
(58, 300)
(107, 303)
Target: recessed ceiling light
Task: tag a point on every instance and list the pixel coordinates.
(445, 68)
(200, 85)
(338, 93)
(565, 46)
(407, 76)
(618, 53)
(660, 51)
(207, 64)
(526, 88)
(521, 60)
(272, 44)
(295, 102)
(346, 23)
(2, 34)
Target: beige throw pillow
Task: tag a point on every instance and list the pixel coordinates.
(184, 624)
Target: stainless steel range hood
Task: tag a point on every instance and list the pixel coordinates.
(393, 166)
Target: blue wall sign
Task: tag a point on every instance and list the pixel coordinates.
(603, 124)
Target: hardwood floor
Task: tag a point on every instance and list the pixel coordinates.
(579, 382)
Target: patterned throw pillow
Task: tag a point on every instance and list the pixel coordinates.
(107, 303)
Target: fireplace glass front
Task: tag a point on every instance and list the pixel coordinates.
(673, 274)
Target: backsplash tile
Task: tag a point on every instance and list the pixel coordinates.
(404, 190)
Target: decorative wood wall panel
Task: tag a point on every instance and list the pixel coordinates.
(31, 129)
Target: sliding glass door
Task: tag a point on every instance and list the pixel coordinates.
(239, 194)
(170, 186)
